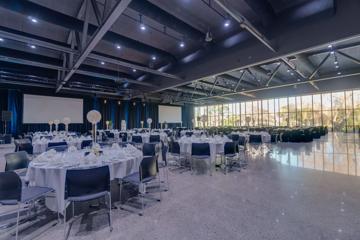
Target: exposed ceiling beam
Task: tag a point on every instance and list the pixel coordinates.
(244, 23)
(29, 8)
(118, 9)
(60, 68)
(355, 60)
(157, 14)
(273, 74)
(264, 74)
(63, 48)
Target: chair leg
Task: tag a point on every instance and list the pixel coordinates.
(159, 200)
(120, 190)
(109, 203)
(65, 233)
(17, 222)
(73, 209)
(143, 188)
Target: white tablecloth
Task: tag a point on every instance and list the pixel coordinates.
(50, 170)
(216, 144)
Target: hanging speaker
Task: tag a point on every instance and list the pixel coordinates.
(6, 116)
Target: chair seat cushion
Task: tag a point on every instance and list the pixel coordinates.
(135, 178)
(88, 197)
(33, 193)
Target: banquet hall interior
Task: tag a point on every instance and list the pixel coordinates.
(179, 119)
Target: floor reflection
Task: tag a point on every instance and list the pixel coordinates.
(335, 152)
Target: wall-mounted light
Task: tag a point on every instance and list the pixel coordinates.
(105, 101)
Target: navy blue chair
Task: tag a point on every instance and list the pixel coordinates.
(136, 139)
(55, 144)
(200, 151)
(230, 156)
(83, 185)
(124, 136)
(154, 138)
(189, 134)
(13, 193)
(86, 143)
(147, 174)
(148, 149)
(25, 146)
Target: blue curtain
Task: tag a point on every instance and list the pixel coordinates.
(187, 114)
(3, 106)
(15, 105)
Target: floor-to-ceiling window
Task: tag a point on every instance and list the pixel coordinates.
(339, 111)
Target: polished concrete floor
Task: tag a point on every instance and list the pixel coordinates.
(291, 191)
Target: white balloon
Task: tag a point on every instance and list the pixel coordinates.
(56, 121)
(93, 116)
(66, 120)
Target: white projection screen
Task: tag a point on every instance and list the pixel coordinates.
(169, 114)
(42, 109)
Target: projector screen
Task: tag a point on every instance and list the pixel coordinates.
(169, 114)
(42, 109)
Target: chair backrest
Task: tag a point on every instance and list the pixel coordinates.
(175, 147)
(110, 135)
(255, 138)
(60, 148)
(137, 139)
(54, 144)
(81, 182)
(124, 137)
(229, 148)
(10, 186)
(86, 143)
(235, 137)
(242, 140)
(149, 149)
(188, 134)
(200, 149)
(16, 160)
(25, 146)
(154, 138)
(148, 168)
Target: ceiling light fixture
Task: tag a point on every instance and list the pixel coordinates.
(1, 39)
(332, 52)
(142, 25)
(32, 46)
(337, 66)
(153, 58)
(102, 63)
(336, 62)
(134, 70)
(32, 19)
(339, 73)
(330, 46)
(227, 23)
(182, 44)
(118, 46)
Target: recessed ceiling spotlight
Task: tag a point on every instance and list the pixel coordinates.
(1, 39)
(142, 27)
(336, 62)
(134, 70)
(153, 58)
(298, 80)
(288, 70)
(337, 66)
(292, 74)
(227, 23)
(182, 44)
(332, 52)
(330, 46)
(102, 63)
(32, 19)
(118, 46)
(32, 46)
(339, 73)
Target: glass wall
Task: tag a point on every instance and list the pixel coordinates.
(339, 111)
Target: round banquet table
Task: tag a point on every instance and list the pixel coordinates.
(49, 169)
(216, 144)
